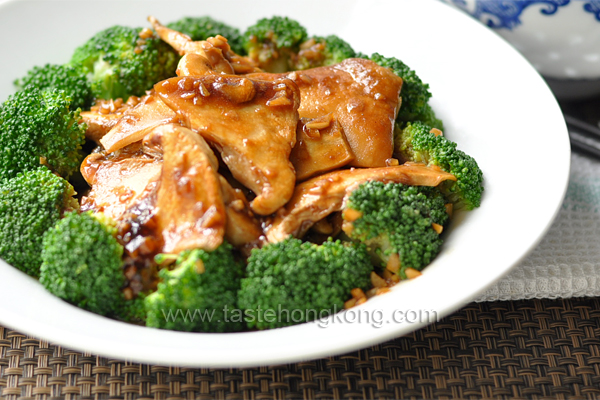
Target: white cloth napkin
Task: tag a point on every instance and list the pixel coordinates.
(567, 261)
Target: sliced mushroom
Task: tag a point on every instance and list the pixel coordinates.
(190, 209)
(242, 229)
(215, 54)
(251, 123)
(320, 147)
(137, 122)
(316, 198)
(361, 95)
(104, 115)
(118, 179)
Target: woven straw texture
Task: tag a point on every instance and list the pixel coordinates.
(530, 349)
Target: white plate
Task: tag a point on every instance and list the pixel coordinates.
(492, 101)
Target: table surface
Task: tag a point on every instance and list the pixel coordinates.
(524, 349)
(528, 349)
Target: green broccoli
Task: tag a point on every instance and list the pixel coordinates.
(417, 143)
(122, 61)
(30, 204)
(293, 281)
(73, 81)
(322, 51)
(199, 294)
(201, 28)
(272, 42)
(415, 93)
(133, 310)
(82, 263)
(392, 218)
(39, 127)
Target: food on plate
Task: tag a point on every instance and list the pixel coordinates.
(417, 142)
(31, 203)
(317, 198)
(198, 282)
(360, 95)
(135, 122)
(415, 94)
(225, 180)
(309, 280)
(38, 127)
(318, 51)
(81, 263)
(252, 123)
(400, 224)
(104, 115)
(124, 61)
(119, 179)
(204, 27)
(64, 77)
(190, 211)
(321, 146)
(272, 43)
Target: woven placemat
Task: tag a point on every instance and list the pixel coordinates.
(519, 349)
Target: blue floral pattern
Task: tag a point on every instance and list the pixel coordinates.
(593, 7)
(505, 13)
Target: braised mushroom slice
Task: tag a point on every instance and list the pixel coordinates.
(190, 212)
(320, 147)
(316, 198)
(104, 115)
(361, 95)
(98, 124)
(118, 179)
(242, 228)
(194, 65)
(137, 122)
(251, 123)
(215, 54)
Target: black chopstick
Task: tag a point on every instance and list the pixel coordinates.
(584, 137)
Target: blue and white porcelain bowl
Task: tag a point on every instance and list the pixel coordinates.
(561, 38)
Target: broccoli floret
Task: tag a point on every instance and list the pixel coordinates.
(415, 93)
(198, 294)
(40, 127)
(82, 263)
(392, 218)
(122, 61)
(416, 142)
(53, 76)
(201, 28)
(30, 204)
(272, 42)
(322, 51)
(133, 310)
(293, 281)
